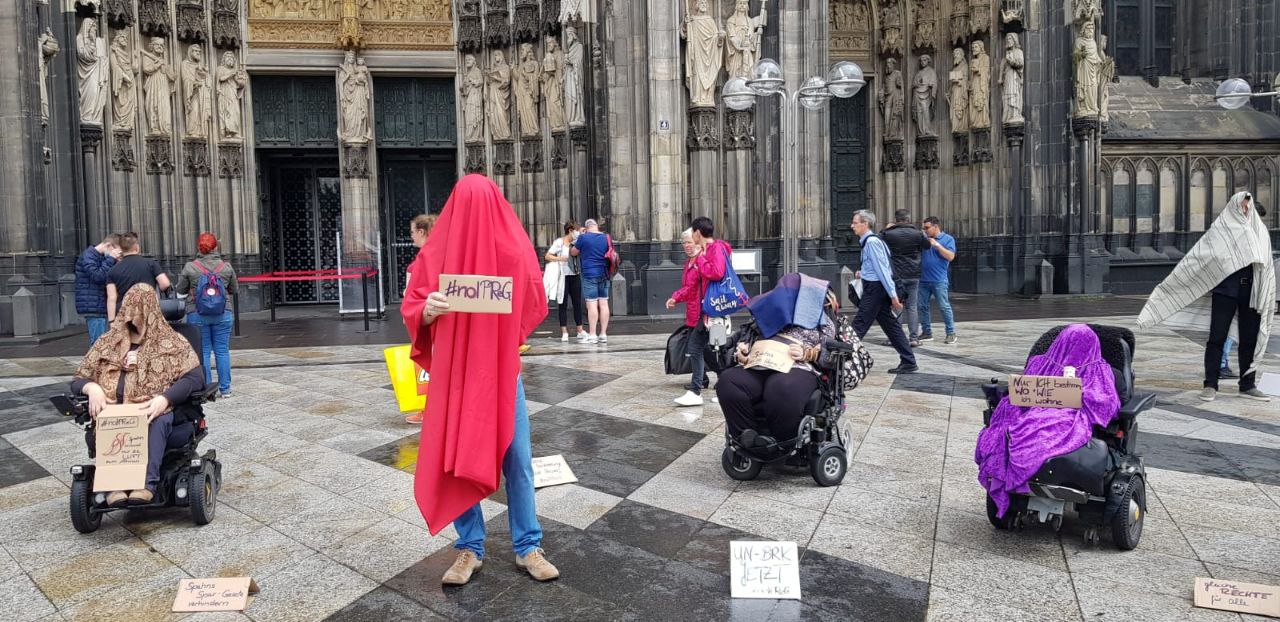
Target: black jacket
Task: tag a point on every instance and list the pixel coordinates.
(905, 242)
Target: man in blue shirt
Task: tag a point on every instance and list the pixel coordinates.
(879, 296)
(935, 279)
(591, 246)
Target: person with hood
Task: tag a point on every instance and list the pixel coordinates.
(476, 429)
(1020, 439)
(791, 313)
(1225, 285)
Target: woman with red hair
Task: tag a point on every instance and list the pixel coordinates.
(210, 280)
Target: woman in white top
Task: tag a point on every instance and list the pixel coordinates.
(562, 281)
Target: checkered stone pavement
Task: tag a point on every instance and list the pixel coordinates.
(317, 500)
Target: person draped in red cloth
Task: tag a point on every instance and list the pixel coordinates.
(476, 428)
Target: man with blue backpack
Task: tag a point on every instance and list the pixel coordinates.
(210, 281)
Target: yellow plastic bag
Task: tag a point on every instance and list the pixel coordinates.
(407, 378)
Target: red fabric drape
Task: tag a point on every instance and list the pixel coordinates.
(473, 358)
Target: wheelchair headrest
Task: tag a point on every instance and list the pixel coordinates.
(173, 309)
(1118, 344)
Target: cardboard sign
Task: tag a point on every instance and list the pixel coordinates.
(1046, 391)
(469, 293)
(1262, 600)
(764, 570)
(222, 594)
(769, 354)
(552, 470)
(121, 437)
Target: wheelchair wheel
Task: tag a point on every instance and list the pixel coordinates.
(1131, 509)
(1017, 504)
(82, 518)
(204, 495)
(829, 467)
(739, 467)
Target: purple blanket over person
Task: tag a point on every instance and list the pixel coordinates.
(1019, 440)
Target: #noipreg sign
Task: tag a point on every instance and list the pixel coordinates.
(120, 433)
(470, 293)
(764, 570)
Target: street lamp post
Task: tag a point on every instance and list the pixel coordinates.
(1235, 93)
(844, 80)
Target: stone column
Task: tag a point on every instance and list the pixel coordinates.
(703, 142)
(739, 145)
(95, 199)
(359, 171)
(581, 174)
(666, 121)
(1086, 131)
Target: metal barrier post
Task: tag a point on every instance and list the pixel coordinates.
(364, 293)
(273, 303)
(235, 311)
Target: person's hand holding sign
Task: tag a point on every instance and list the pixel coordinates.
(97, 398)
(741, 354)
(437, 305)
(156, 407)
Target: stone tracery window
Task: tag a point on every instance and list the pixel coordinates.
(1143, 36)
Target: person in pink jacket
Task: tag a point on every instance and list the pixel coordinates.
(708, 258)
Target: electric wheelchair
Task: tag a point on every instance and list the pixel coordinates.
(1104, 481)
(187, 478)
(820, 443)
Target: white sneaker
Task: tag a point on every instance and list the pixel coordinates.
(604, 338)
(582, 336)
(564, 337)
(689, 399)
(591, 339)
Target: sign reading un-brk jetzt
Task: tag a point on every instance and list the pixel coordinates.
(1044, 391)
(470, 293)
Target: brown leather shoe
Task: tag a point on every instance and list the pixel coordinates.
(117, 499)
(140, 497)
(463, 567)
(536, 564)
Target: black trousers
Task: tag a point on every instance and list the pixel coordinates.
(572, 292)
(781, 398)
(1225, 309)
(875, 306)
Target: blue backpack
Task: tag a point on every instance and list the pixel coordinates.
(211, 296)
(725, 296)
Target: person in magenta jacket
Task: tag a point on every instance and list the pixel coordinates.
(708, 258)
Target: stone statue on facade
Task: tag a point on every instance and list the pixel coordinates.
(958, 92)
(573, 71)
(1088, 70)
(48, 49)
(1011, 81)
(527, 82)
(979, 87)
(196, 100)
(979, 16)
(742, 41)
(124, 88)
(1086, 11)
(231, 82)
(471, 89)
(925, 90)
(157, 88)
(498, 94)
(847, 16)
(91, 69)
(1106, 73)
(891, 100)
(703, 55)
(553, 84)
(926, 22)
(355, 92)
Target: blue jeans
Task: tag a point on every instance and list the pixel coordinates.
(1226, 352)
(943, 293)
(215, 336)
(595, 288)
(98, 325)
(517, 467)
